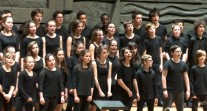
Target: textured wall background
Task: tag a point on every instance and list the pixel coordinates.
(119, 10)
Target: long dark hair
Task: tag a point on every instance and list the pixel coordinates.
(122, 58)
(80, 63)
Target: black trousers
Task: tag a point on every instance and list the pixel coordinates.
(83, 105)
(7, 106)
(150, 104)
(50, 103)
(203, 102)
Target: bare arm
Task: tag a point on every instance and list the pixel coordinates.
(185, 56)
(69, 44)
(61, 42)
(91, 49)
(109, 78)
(44, 46)
(187, 84)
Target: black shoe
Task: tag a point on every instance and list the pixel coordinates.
(160, 103)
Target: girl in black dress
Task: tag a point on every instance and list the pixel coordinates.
(7, 82)
(83, 82)
(33, 50)
(30, 32)
(51, 40)
(126, 79)
(8, 37)
(97, 38)
(50, 85)
(102, 76)
(61, 64)
(71, 62)
(76, 35)
(27, 84)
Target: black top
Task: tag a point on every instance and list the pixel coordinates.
(147, 84)
(180, 41)
(50, 82)
(7, 79)
(175, 80)
(83, 80)
(152, 47)
(106, 41)
(64, 77)
(9, 41)
(26, 41)
(52, 43)
(63, 32)
(39, 65)
(127, 74)
(142, 33)
(198, 80)
(16, 68)
(124, 42)
(115, 61)
(27, 85)
(195, 44)
(161, 31)
(102, 71)
(41, 31)
(71, 62)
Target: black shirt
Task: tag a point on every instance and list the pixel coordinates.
(175, 80)
(50, 82)
(147, 84)
(9, 41)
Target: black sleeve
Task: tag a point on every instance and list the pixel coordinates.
(21, 83)
(17, 44)
(155, 85)
(191, 77)
(60, 82)
(74, 77)
(41, 80)
(23, 49)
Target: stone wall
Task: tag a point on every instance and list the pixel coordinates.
(119, 10)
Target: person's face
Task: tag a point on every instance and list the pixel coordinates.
(138, 19)
(104, 54)
(86, 58)
(32, 28)
(8, 24)
(134, 51)
(181, 26)
(83, 19)
(200, 29)
(35, 49)
(59, 19)
(105, 20)
(12, 51)
(127, 54)
(79, 28)
(79, 49)
(176, 31)
(202, 59)
(9, 60)
(155, 18)
(51, 27)
(29, 64)
(148, 62)
(151, 31)
(60, 56)
(111, 28)
(177, 53)
(129, 28)
(50, 63)
(113, 47)
(99, 36)
(38, 18)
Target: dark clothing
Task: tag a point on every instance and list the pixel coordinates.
(152, 47)
(41, 31)
(127, 74)
(27, 85)
(124, 41)
(161, 31)
(63, 32)
(83, 105)
(83, 80)
(198, 80)
(177, 97)
(9, 41)
(150, 104)
(195, 44)
(115, 62)
(50, 103)
(38, 67)
(180, 41)
(141, 32)
(52, 43)
(202, 100)
(174, 80)
(106, 41)
(50, 82)
(147, 84)
(26, 41)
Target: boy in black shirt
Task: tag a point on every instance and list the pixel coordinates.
(146, 80)
(174, 80)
